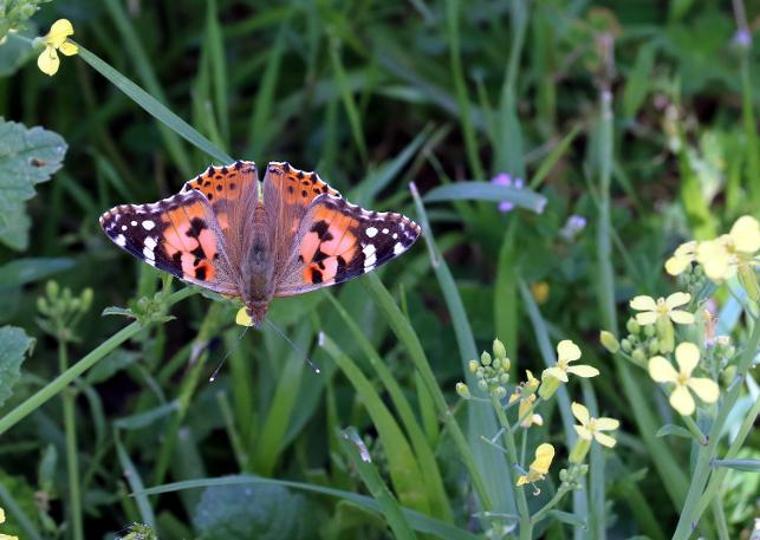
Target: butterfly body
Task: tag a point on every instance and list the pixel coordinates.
(230, 233)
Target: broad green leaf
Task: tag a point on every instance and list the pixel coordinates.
(27, 157)
(13, 345)
(485, 191)
(253, 511)
(23, 271)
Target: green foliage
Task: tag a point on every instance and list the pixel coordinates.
(633, 128)
(27, 157)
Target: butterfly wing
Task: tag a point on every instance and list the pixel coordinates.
(179, 235)
(326, 240)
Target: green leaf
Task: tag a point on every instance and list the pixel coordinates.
(27, 157)
(18, 499)
(23, 271)
(111, 364)
(13, 344)
(252, 511)
(570, 519)
(485, 191)
(676, 431)
(746, 465)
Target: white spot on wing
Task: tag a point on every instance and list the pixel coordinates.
(148, 224)
(371, 232)
(121, 240)
(398, 248)
(150, 242)
(369, 256)
(133, 223)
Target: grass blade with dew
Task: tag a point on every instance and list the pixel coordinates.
(431, 476)
(359, 456)
(403, 469)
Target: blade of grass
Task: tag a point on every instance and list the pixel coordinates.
(147, 74)
(215, 43)
(482, 421)
(135, 482)
(354, 119)
(153, 107)
(463, 100)
(417, 521)
(485, 191)
(359, 456)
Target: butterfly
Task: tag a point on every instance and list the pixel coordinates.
(290, 234)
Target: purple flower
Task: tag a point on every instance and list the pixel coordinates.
(573, 226)
(743, 38)
(505, 179)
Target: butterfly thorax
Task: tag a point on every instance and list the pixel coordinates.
(257, 271)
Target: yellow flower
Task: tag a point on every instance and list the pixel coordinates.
(652, 309)
(56, 40)
(540, 466)
(567, 352)
(2, 520)
(683, 256)
(721, 257)
(540, 291)
(242, 318)
(687, 357)
(526, 394)
(591, 428)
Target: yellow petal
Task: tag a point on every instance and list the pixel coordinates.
(607, 424)
(537, 419)
(746, 234)
(605, 440)
(687, 356)
(583, 371)
(682, 401)
(567, 350)
(677, 299)
(706, 389)
(661, 370)
(714, 257)
(557, 373)
(580, 412)
(646, 318)
(48, 61)
(522, 480)
(676, 265)
(2, 515)
(532, 383)
(643, 303)
(515, 395)
(8, 537)
(583, 433)
(60, 30)
(681, 317)
(242, 318)
(68, 48)
(544, 457)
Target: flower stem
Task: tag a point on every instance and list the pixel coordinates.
(64, 379)
(72, 461)
(541, 514)
(690, 514)
(694, 429)
(526, 527)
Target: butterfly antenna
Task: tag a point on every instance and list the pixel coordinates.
(227, 355)
(298, 349)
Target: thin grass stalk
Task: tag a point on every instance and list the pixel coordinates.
(72, 457)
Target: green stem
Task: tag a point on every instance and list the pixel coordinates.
(716, 480)
(526, 527)
(694, 429)
(72, 462)
(720, 520)
(57, 385)
(689, 514)
(541, 514)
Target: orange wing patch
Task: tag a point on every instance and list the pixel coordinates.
(190, 243)
(297, 187)
(224, 183)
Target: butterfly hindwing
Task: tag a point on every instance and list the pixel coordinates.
(338, 241)
(179, 235)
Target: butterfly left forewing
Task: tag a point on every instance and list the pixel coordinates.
(337, 241)
(179, 235)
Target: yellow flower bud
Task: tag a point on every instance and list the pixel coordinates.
(609, 341)
(499, 350)
(549, 385)
(463, 390)
(581, 448)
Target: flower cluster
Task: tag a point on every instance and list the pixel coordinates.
(724, 256)
(492, 374)
(687, 357)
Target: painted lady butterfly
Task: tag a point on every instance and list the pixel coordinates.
(234, 235)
